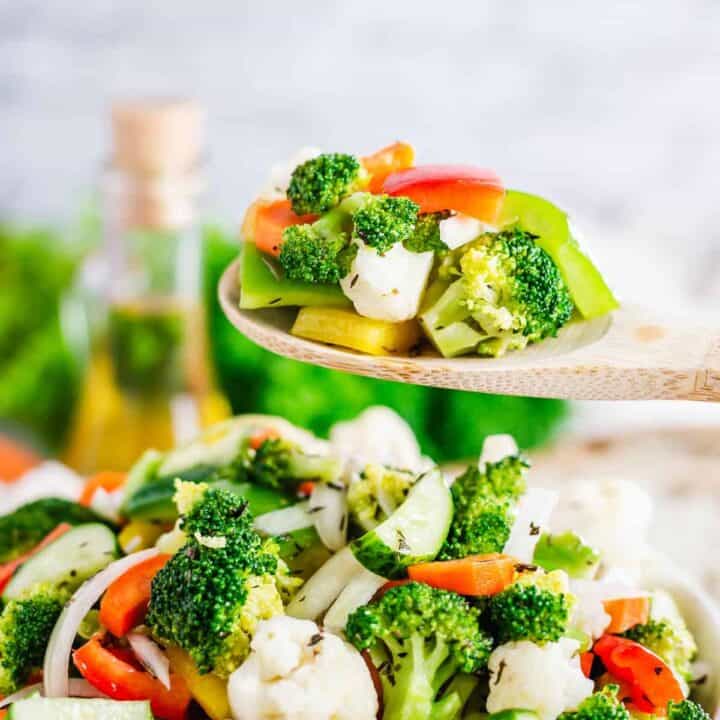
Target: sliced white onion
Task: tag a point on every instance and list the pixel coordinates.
(151, 656)
(321, 590)
(57, 655)
(497, 447)
(533, 513)
(359, 591)
(328, 507)
(20, 694)
(285, 520)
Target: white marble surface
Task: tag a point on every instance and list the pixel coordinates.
(610, 108)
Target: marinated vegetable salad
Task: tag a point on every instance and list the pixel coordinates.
(381, 255)
(262, 573)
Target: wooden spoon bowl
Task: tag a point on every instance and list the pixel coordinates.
(635, 354)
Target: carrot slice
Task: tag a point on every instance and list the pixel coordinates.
(398, 156)
(477, 575)
(7, 569)
(126, 601)
(107, 480)
(626, 613)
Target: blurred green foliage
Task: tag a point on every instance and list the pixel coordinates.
(39, 376)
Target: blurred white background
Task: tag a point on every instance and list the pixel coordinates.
(611, 109)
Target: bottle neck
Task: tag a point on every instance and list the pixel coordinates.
(151, 235)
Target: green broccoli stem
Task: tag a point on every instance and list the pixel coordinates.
(455, 697)
(410, 683)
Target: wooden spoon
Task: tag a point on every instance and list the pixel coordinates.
(634, 354)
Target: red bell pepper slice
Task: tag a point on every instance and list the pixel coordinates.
(651, 683)
(121, 680)
(126, 601)
(8, 569)
(469, 190)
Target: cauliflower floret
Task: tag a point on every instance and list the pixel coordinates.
(609, 511)
(545, 679)
(378, 435)
(389, 286)
(461, 229)
(295, 672)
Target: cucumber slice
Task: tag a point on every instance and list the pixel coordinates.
(155, 501)
(414, 533)
(261, 286)
(71, 559)
(36, 707)
(141, 473)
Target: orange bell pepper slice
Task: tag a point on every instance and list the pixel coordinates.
(390, 159)
(107, 480)
(265, 222)
(15, 460)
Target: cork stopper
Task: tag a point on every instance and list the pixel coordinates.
(157, 146)
(157, 137)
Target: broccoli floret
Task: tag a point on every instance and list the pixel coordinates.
(509, 293)
(281, 465)
(686, 710)
(670, 640)
(376, 492)
(384, 221)
(321, 183)
(210, 596)
(319, 252)
(602, 705)
(536, 607)
(426, 236)
(484, 503)
(25, 627)
(419, 638)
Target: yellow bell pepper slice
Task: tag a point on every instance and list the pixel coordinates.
(139, 535)
(209, 691)
(337, 326)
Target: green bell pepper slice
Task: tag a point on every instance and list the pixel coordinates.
(263, 285)
(589, 291)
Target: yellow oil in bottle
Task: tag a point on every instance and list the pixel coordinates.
(149, 382)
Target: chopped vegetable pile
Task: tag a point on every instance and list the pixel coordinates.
(381, 254)
(261, 573)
